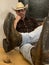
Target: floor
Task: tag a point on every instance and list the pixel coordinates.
(14, 56)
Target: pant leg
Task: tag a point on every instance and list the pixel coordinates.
(32, 36)
(25, 50)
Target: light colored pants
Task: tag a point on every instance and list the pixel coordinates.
(27, 40)
(25, 50)
(32, 36)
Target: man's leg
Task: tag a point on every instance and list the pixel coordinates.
(27, 39)
(25, 50)
(32, 36)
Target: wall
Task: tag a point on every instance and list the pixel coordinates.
(5, 7)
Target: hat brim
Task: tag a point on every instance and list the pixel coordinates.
(26, 7)
(20, 8)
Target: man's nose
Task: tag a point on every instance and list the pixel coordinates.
(20, 11)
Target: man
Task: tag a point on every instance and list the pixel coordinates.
(23, 23)
(22, 40)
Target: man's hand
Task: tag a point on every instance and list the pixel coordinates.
(16, 21)
(18, 18)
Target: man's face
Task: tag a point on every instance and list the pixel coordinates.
(21, 12)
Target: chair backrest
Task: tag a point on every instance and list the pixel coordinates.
(37, 8)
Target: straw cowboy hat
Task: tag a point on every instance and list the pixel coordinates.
(20, 6)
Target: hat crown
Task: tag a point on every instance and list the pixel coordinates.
(19, 6)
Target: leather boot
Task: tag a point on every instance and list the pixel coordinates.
(13, 37)
(14, 41)
(38, 54)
